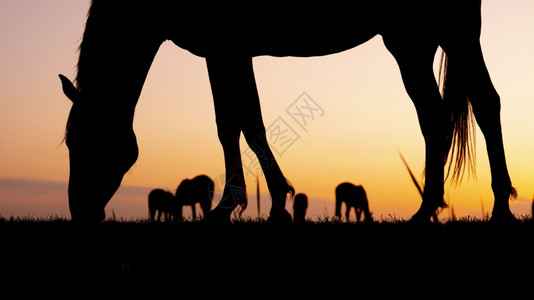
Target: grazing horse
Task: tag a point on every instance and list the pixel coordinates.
(192, 191)
(300, 205)
(121, 39)
(161, 202)
(353, 196)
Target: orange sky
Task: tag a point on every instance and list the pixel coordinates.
(367, 114)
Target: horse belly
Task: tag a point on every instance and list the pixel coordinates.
(277, 31)
(303, 43)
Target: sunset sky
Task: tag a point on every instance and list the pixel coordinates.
(364, 118)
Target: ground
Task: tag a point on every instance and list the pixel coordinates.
(317, 255)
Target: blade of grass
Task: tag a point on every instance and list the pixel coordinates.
(411, 175)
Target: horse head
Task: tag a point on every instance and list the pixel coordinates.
(102, 148)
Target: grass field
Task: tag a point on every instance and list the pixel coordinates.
(246, 252)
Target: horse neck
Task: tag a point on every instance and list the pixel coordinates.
(118, 90)
(116, 53)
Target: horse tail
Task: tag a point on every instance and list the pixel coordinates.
(461, 131)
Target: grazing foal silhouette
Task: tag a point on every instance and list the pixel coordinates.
(122, 37)
(161, 202)
(300, 205)
(189, 192)
(192, 191)
(353, 196)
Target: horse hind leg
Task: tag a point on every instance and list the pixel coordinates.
(486, 107)
(358, 214)
(205, 206)
(151, 214)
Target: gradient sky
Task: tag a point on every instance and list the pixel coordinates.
(367, 114)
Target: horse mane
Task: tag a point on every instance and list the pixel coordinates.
(84, 44)
(91, 30)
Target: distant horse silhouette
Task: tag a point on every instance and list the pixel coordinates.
(353, 196)
(161, 202)
(192, 191)
(300, 205)
(121, 39)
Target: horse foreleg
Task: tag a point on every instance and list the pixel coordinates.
(225, 75)
(178, 212)
(434, 126)
(254, 132)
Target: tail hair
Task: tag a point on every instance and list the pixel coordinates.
(462, 135)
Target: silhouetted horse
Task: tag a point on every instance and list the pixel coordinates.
(300, 205)
(161, 202)
(353, 196)
(122, 37)
(192, 191)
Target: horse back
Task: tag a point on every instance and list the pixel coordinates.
(351, 194)
(161, 200)
(199, 189)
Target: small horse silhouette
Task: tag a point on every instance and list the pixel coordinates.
(353, 196)
(192, 191)
(161, 202)
(300, 205)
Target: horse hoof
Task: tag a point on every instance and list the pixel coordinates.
(90, 217)
(218, 216)
(420, 218)
(506, 218)
(280, 217)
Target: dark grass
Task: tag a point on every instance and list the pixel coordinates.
(257, 253)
